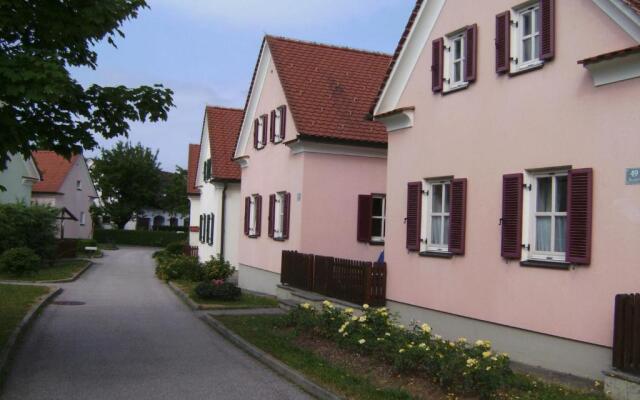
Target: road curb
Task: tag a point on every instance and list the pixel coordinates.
(12, 343)
(185, 297)
(74, 277)
(278, 366)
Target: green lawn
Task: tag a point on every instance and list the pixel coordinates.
(15, 301)
(268, 333)
(246, 300)
(60, 270)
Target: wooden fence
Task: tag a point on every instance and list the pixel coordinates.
(626, 333)
(359, 282)
(191, 251)
(66, 248)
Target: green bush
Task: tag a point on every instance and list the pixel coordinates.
(19, 261)
(82, 243)
(28, 226)
(217, 291)
(138, 238)
(171, 267)
(175, 247)
(217, 268)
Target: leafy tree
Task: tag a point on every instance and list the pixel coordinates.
(174, 194)
(128, 178)
(41, 106)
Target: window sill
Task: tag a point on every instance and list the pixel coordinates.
(560, 265)
(528, 68)
(253, 236)
(455, 89)
(279, 239)
(377, 243)
(436, 254)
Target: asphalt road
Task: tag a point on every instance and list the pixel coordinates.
(132, 339)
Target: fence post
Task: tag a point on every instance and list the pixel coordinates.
(367, 283)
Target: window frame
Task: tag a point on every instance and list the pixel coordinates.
(83, 218)
(427, 214)
(278, 218)
(262, 120)
(277, 126)
(382, 217)
(79, 184)
(449, 60)
(253, 215)
(518, 37)
(529, 219)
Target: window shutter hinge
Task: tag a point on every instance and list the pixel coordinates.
(425, 192)
(526, 186)
(514, 23)
(527, 247)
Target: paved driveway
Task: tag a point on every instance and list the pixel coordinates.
(132, 339)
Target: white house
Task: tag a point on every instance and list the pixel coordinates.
(193, 194)
(217, 179)
(18, 179)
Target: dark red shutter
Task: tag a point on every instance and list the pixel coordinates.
(414, 215)
(256, 126)
(287, 215)
(503, 42)
(247, 215)
(457, 215)
(437, 58)
(272, 133)
(265, 128)
(579, 215)
(258, 215)
(365, 204)
(272, 214)
(547, 29)
(471, 45)
(283, 122)
(511, 247)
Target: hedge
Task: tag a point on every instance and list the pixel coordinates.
(138, 238)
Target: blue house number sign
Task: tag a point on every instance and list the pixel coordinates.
(633, 176)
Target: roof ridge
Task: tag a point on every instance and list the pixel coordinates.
(330, 46)
(223, 108)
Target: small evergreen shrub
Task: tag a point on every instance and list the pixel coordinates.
(28, 226)
(217, 290)
(171, 267)
(176, 248)
(138, 238)
(217, 268)
(19, 261)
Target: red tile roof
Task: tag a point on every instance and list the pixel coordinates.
(224, 127)
(634, 4)
(396, 54)
(610, 55)
(192, 169)
(53, 169)
(329, 89)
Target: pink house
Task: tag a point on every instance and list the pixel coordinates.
(513, 204)
(309, 156)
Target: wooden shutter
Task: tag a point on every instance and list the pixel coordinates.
(200, 229)
(437, 59)
(207, 223)
(547, 29)
(265, 122)
(457, 215)
(579, 215)
(272, 133)
(511, 246)
(287, 215)
(503, 42)
(272, 214)
(283, 122)
(256, 127)
(247, 215)
(414, 215)
(365, 210)
(258, 215)
(471, 50)
(213, 225)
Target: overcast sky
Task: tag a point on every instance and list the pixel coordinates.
(205, 50)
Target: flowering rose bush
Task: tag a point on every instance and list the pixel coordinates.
(460, 366)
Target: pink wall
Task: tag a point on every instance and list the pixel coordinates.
(499, 125)
(324, 219)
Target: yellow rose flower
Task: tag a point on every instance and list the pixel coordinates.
(361, 341)
(306, 306)
(486, 354)
(362, 318)
(365, 306)
(401, 351)
(348, 310)
(425, 328)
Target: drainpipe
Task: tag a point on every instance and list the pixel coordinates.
(222, 218)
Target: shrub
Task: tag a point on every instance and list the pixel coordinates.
(138, 238)
(19, 261)
(175, 247)
(217, 291)
(217, 268)
(28, 226)
(172, 267)
(82, 243)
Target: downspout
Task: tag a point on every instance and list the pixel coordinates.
(222, 218)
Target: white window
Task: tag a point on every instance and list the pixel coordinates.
(262, 121)
(526, 31)
(378, 213)
(278, 125)
(454, 60)
(278, 228)
(435, 235)
(78, 185)
(253, 215)
(82, 218)
(547, 216)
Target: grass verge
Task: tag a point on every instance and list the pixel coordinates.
(15, 302)
(336, 370)
(246, 300)
(65, 269)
